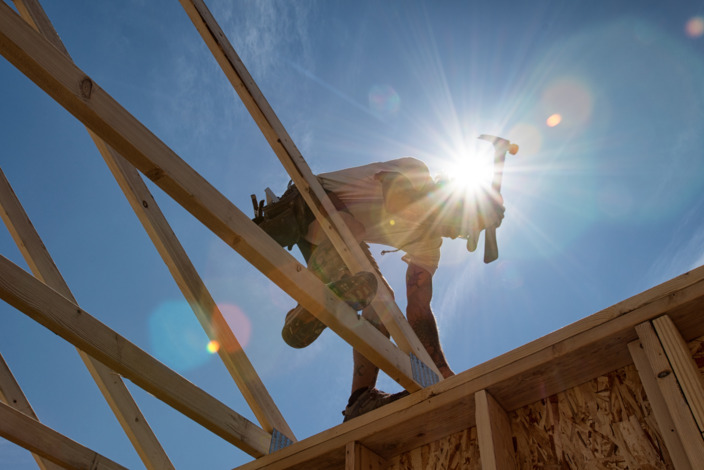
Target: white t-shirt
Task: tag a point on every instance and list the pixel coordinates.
(362, 195)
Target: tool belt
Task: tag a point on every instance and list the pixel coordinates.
(286, 220)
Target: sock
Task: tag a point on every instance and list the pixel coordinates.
(356, 394)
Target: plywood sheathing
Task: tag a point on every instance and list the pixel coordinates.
(458, 451)
(606, 423)
(696, 348)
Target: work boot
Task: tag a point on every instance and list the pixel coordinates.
(301, 328)
(368, 399)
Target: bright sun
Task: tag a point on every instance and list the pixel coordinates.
(471, 173)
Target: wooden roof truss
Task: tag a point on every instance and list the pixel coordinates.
(648, 330)
(30, 42)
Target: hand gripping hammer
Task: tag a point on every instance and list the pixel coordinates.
(501, 146)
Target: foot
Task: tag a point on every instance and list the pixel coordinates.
(357, 290)
(301, 328)
(369, 399)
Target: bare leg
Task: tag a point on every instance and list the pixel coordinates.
(419, 291)
(365, 372)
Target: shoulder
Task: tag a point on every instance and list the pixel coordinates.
(415, 170)
(408, 165)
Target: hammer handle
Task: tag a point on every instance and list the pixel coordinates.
(491, 248)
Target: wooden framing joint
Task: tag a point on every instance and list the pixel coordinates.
(422, 373)
(278, 441)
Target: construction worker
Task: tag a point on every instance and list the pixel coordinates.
(395, 203)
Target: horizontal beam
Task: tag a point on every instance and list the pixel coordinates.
(310, 188)
(68, 320)
(41, 440)
(75, 91)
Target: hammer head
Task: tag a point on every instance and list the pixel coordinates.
(500, 144)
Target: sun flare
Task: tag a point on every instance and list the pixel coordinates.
(470, 173)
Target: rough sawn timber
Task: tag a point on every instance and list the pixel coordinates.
(566, 358)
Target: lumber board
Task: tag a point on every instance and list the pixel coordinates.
(47, 67)
(659, 406)
(310, 188)
(683, 365)
(110, 384)
(39, 439)
(12, 395)
(494, 434)
(358, 457)
(575, 354)
(168, 246)
(196, 293)
(68, 320)
(667, 382)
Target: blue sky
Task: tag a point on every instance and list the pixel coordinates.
(599, 207)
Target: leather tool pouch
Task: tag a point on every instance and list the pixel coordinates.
(286, 220)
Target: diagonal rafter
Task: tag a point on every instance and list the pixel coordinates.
(110, 384)
(176, 259)
(29, 433)
(12, 395)
(301, 174)
(63, 317)
(75, 91)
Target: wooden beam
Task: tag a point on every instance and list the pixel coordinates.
(358, 457)
(684, 367)
(493, 434)
(110, 384)
(12, 395)
(672, 394)
(196, 293)
(308, 185)
(68, 320)
(659, 406)
(173, 254)
(71, 88)
(41, 440)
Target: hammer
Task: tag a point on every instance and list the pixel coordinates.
(501, 146)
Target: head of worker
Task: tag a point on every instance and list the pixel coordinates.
(446, 209)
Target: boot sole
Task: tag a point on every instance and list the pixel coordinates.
(301, 328)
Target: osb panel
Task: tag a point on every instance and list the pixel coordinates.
(606, 423)
(696, 347)
(458, 451)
